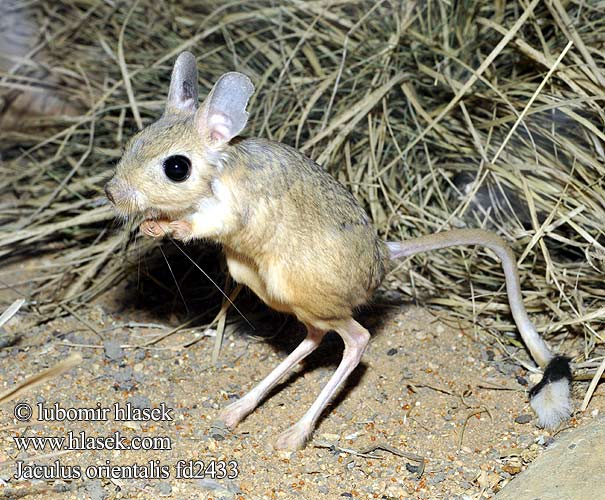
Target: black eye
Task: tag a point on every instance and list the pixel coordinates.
(177, 168)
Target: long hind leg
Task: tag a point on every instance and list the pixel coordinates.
(237, 410)
(356, 338)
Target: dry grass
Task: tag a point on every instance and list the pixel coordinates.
(436, 114)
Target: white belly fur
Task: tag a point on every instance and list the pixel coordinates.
(246, 272)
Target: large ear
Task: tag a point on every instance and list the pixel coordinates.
(223, 114)
(183, 93)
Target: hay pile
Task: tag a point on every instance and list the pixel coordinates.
(435, 114)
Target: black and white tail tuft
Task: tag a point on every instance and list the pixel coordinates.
(551, 397)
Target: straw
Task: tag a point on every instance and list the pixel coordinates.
(434, 114)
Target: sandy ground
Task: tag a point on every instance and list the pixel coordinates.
(428, 386)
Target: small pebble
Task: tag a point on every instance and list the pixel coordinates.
(61, 486)
(414, 469)
(164, 488)
(545, 440)
(227, 489)
(7, 339)
(139, 401)
(524, 419)
(392, 351)
(219, 431)
(437, 478)
(95, 490)
(124, 379)
(113, 351)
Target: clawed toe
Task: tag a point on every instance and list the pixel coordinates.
(234, 413)
(153, 228)
(181, 230)
(293, 438)
(158, 228)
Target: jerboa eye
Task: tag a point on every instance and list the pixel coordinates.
(177, 168)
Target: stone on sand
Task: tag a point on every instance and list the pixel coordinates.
(570, 469)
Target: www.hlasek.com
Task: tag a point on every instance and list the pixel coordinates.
(81, 441)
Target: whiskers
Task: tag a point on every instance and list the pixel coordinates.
(209, 279)
(131, 222)
(175, 280)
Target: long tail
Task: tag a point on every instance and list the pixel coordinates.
(550, 399)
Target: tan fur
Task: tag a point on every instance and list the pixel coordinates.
(139, 184)
(297, 229)
(290, 231)
(302, 230)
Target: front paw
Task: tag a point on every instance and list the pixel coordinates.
(181, 230)
(155, 228)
